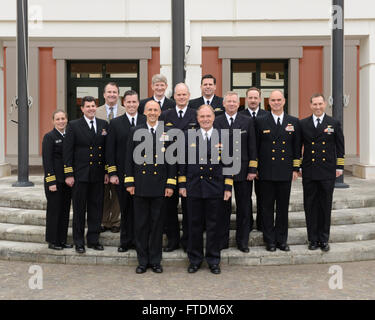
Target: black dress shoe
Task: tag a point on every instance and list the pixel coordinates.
(115, 229)
(96, 246)
(104, 229)
(215, 269)
(283, 247)
(54, 246)
(170, 249)
(193, 268)
(271, 247)
(324, 246)
(157, 268)
(313, 246)
(244, 249)
(80, 249)
(66, 246)
(141, 269)
(122, 249)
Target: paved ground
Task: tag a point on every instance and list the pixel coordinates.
(69, 282)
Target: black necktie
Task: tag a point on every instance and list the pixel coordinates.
(254, 115)
(159, 104)
(278, 122)
(92, 129)
(133, 123)
(231, 122)
(64, 135)
(208, 102)
(318, 124)
(152, 131)
(180, 112)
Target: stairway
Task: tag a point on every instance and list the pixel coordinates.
(22, 227)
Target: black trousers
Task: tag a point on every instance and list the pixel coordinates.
(126, 202)
(317, 200)
(172, 225)
(148, 229)
(275, 231)
(244, 215)
(258, 194)
(57, 219)
(87, 197)
(200, 212)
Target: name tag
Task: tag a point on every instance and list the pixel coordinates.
(244, 131)
(266, 131)
(58, 141)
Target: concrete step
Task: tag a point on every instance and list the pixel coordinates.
(298, 236)
(296, 219)
(299, 254)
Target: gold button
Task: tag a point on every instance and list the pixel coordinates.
(282, 150)
(90, 155)
(312, 143)
(312, 160)
(273, 150)
(144, 163)
(283, 142)
(156, 155)
(324, 151)
(274, 142)
(145, 156)
(324, 159)
(201, 168)
(210, 178)
(49, 174)
(210, 169)
(282, 159)
(323, 142)
(273, 158)
(90, 163)
(100, 147)
(156, 164)
(201, 159)
(201, 177)
(144, 172)
(100, 155)
(155, 172)
(90, 148)
(313, 151)
(100, 163)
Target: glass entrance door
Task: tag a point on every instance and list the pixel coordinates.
(267, 75)
(90, 77)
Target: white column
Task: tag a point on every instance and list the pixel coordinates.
(194, 58)
(366, 167)
(4, 167)
(166, 54)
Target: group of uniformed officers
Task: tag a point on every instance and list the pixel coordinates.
(92, 161)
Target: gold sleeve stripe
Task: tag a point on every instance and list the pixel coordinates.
(106, 167)
(253, 164)
(296, 163)
(112, 169)
(340, 161)
(68, 170)
(172, 181)
(51, 178)
(181, 179)
(129, 179)
(229, 182)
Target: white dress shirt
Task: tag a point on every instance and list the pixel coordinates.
(281, 116)
(233, 117)
(130, 118)
(89, 123)
(161, 101)
(155, 127)
(209, 133)
(315, 119)
(183, 111)
(114, 110)
(205, 100)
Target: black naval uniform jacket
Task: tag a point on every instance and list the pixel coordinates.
(171, 119)
(149, 180)
(248, 113)
(167, 104)
(324, 148)
(84, 153)
(52, 147)
(216, 104)
(205, 181)
(248, 143)
(118, 134)
(279, 151)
